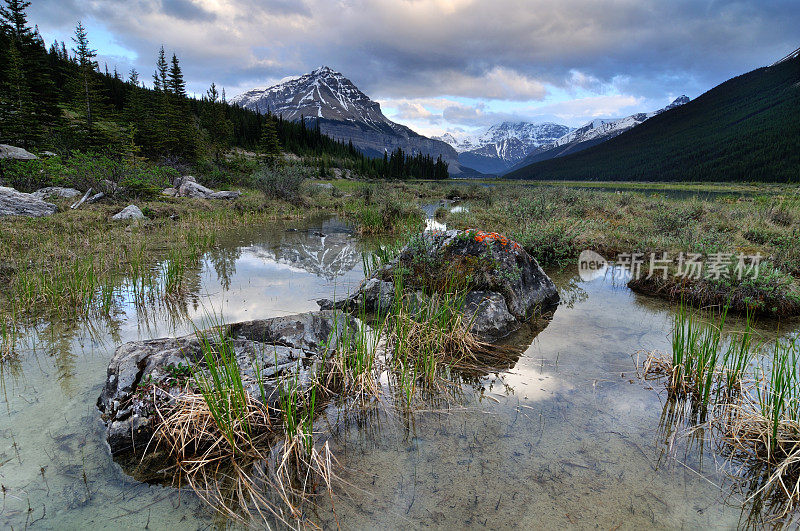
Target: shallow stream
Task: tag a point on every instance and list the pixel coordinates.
(568, 436)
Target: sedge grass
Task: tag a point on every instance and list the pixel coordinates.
(221, 385)
(758, 418)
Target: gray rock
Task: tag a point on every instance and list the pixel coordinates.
(509, 287)
(504, 268)
(96, 197)
(488, 314)
(278, 348)
(187, 186)
(130, 212)
(13, 203)
(225, 194)
(56, 191)
(194, 190)
(372, 294)
(15, 153)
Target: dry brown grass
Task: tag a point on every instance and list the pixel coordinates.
(263, 478)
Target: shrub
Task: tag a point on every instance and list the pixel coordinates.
(280, 183)
(144, 182)
(89, 170)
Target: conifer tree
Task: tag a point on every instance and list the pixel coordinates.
(15, 20)
(219, 128)
(269, 143)
(16, 106)
(159, 125)
(180, 137)
(87, 91)
(175, 84)
(33, 63)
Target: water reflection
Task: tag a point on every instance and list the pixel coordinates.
(560, 433)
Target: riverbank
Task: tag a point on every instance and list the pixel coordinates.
(66, 262)
(70, 263)
(556, 223)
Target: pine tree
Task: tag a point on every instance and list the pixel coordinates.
(15, 20)
(34, 65)
(88, 68)
(175, 84)
(269, 143)
(219, 128)
(181, 139)
(160, 75)
(16, 107)
(159, 124)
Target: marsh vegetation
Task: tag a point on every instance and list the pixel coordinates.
(417, 378)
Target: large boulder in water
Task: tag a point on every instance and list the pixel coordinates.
(14, 203)
(142, 372)
(505, 285)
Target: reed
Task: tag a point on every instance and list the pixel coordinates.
(8, 339)
(219, 381)
(429, 336)
(758, 418)
(694, 366)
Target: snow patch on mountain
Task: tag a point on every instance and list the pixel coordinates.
(609, 128)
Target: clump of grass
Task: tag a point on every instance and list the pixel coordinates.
(8, 339)
(220, 383)
(428, 335)
(695, 353)
(763, 429)
(351, 367)
(758, 418)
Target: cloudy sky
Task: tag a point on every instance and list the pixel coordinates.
(448, 65)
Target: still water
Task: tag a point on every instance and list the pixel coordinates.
(568, 436)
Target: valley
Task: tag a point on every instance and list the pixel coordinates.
(486, 270)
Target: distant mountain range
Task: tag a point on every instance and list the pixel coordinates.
(502, 145)
(591, 134)
(345, 113)
(745, 129)
(507, 146)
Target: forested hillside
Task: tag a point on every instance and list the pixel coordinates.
(59, 99)
(746, 129)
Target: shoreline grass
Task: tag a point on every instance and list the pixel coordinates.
(746, 391)
(555, 223)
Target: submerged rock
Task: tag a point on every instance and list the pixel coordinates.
(13, 203)
(506, 285)
(130, 212)
(15, 153)
(143, 371)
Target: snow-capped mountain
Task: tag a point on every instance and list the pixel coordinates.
(460, 142)
(529, 134)
(503, 144)
(612, 127)
(323, 93)
(591, 134)
(344, 113)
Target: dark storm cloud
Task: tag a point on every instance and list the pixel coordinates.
(185, 10)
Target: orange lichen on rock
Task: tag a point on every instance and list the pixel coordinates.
(483, 236)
